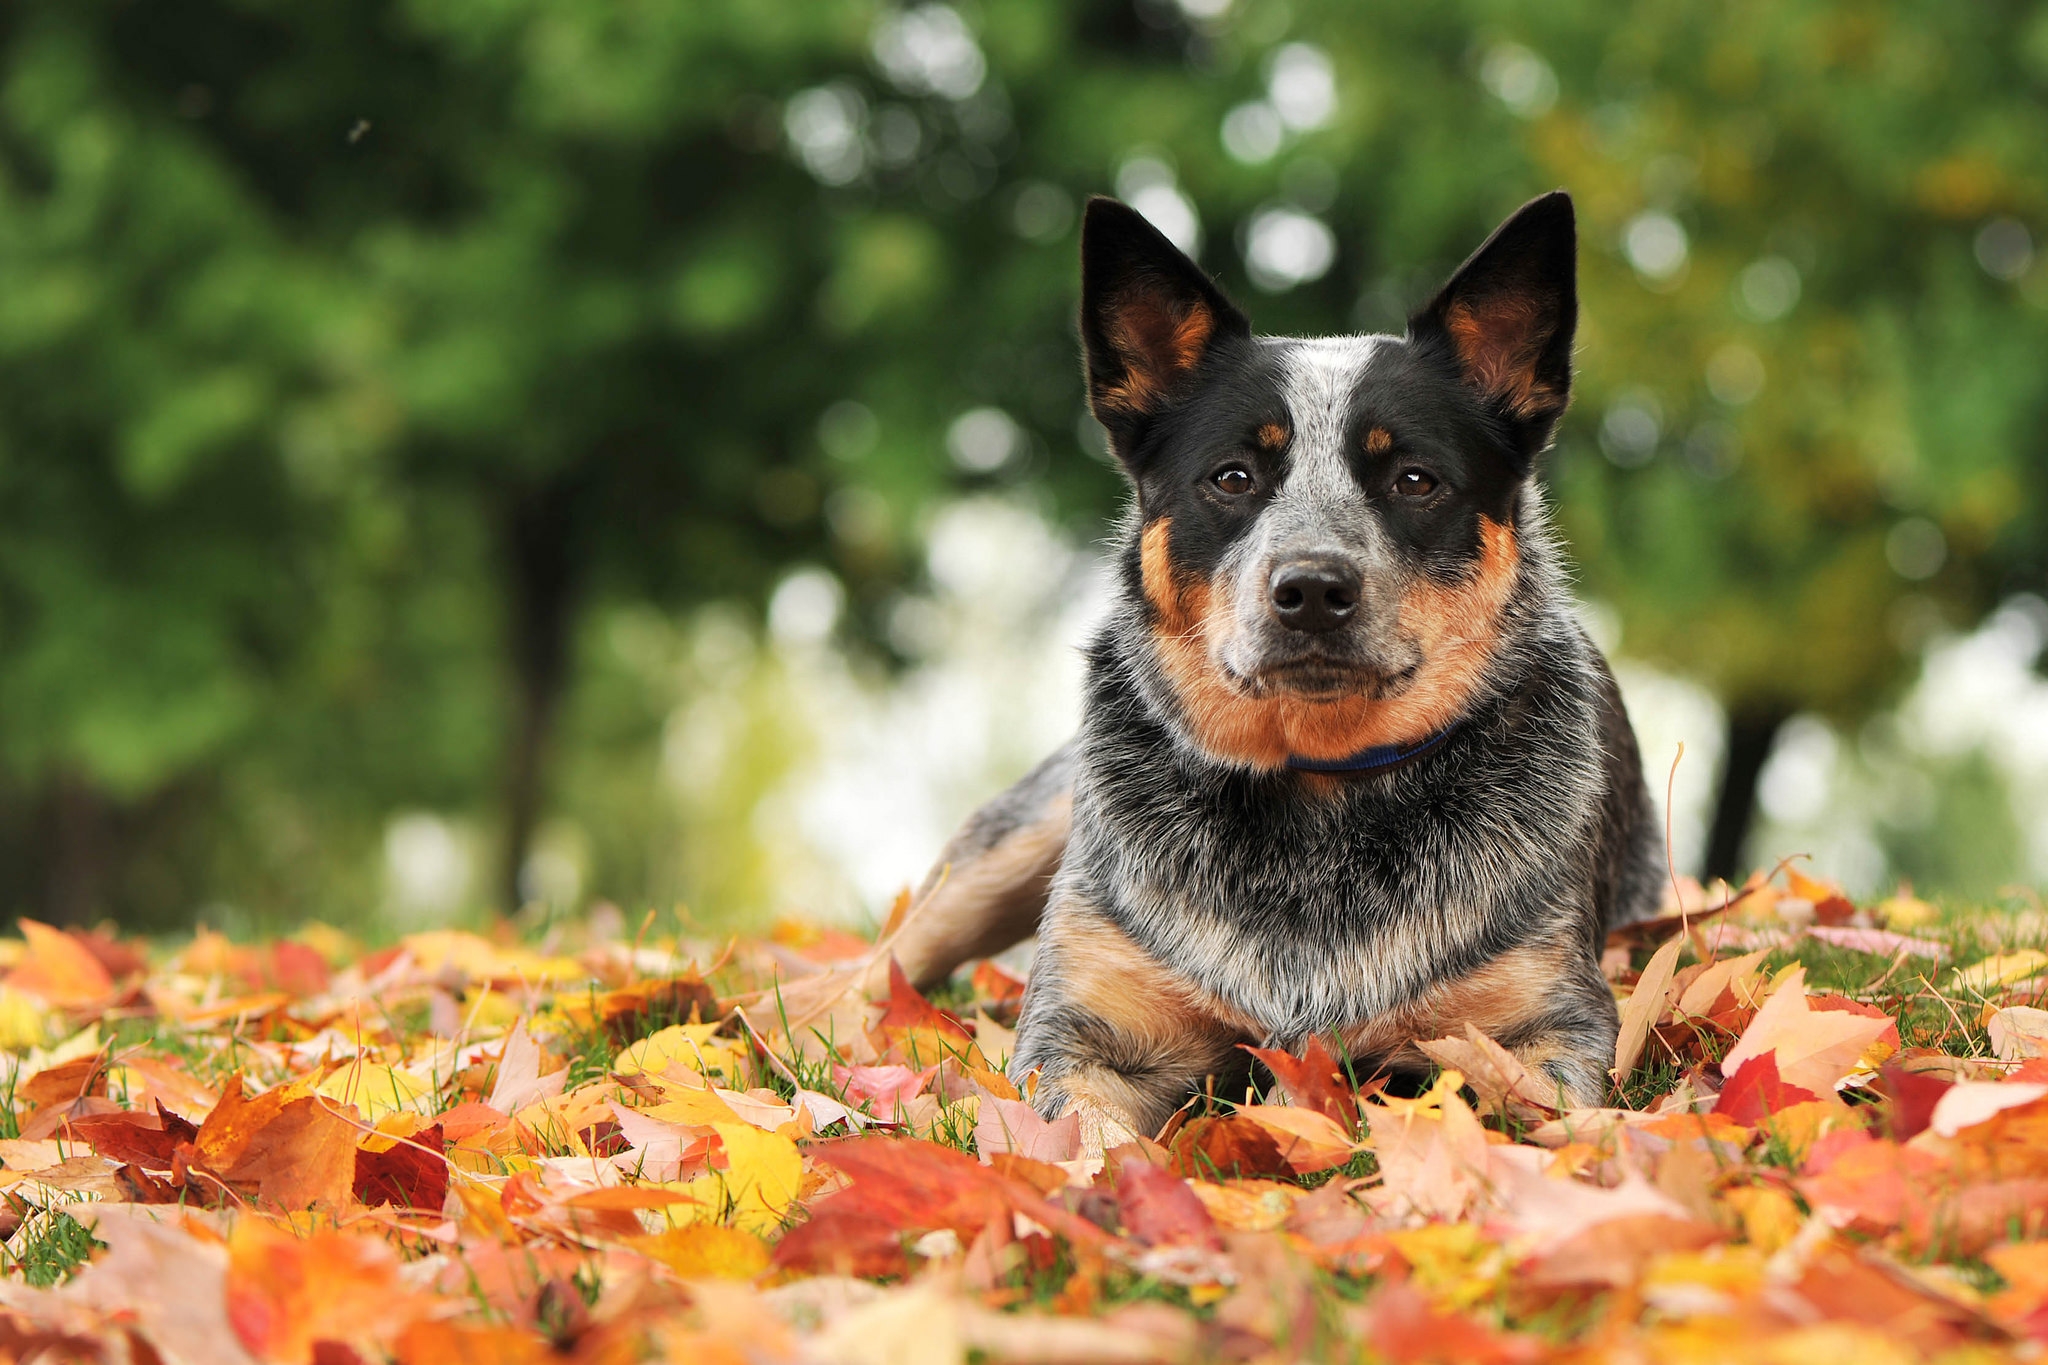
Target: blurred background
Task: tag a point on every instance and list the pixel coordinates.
(458, 455)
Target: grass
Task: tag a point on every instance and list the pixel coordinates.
(50, 1246)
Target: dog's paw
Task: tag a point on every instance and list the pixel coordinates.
(1103, 1130)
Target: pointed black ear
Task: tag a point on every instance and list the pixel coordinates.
(1148, 316)
(1508, 315)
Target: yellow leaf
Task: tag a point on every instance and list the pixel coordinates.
(1454, 1264)
(377, 1089)
(763, 1174)
(707, 1251)
(696, 1047)
(697, 1108)
(1248, 1205)
(1997, 970)
(1770, 1217)
(24, 1020)
(1906, 911)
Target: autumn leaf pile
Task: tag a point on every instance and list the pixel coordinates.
(1827, 1140)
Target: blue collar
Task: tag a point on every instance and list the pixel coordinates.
(1377, 759)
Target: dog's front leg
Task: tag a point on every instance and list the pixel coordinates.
(989, 886)
(1110, 1033)
(1544, 1001)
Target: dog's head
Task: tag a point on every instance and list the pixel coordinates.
(1327, 528)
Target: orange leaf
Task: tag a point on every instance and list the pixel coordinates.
(444, 1343)
(60, 969)
(288, 1149)
(1226, 1145)
(285, 1294)
(1313, 1080)
(1307, 1140)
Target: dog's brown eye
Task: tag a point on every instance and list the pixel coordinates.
(1235, 480)
(1414, 483)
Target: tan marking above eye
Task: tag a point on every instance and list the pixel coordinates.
(1379, 441)
(1273, 436)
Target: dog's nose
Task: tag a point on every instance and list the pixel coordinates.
(1315, 594)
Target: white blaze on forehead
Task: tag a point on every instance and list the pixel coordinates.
(1318, 377)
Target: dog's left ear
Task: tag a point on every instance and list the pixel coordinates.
(1508, 315)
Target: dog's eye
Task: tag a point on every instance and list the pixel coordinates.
(1234, 480)
(1414, 483)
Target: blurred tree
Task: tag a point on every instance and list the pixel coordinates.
(357, 352)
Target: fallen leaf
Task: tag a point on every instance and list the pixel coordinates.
(519, 1081)
(60, 969)
(1011, 1126)
(1158, 1208)
(1969, 1103)
(286, 1294)
(1880, 942)
(1643, 1008)
(170, 1284)
(884, 1087)
(706, 1251)
(1313, 1080)
(1815, 1048)
(1496, 1075)
(1226, 1145)
(409, 1173)
(2018, 1032)
(762, 1175)
(285, 1146)
(1988, 974)
(1306, 1139)
(1756, 1090)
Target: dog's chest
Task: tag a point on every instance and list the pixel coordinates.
(1308, 916)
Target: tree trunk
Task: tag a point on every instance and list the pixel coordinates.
(77, 823)
(1751, 731)
(540, 567)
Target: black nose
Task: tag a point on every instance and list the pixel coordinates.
(1314, 594)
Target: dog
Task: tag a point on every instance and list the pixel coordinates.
(1348, 765)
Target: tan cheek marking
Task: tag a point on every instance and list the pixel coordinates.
(1454, 627)
(1500, 999)
(1499, 347)
(1379, 441)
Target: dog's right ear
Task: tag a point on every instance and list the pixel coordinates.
(1148, 316)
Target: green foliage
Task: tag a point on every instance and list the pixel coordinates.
(55, 1246)
(359, 365)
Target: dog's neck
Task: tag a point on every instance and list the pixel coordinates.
(1377, 759)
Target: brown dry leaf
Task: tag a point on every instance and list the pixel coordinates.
(1496, 1075)
(1643, 1008)
(286, 1146)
